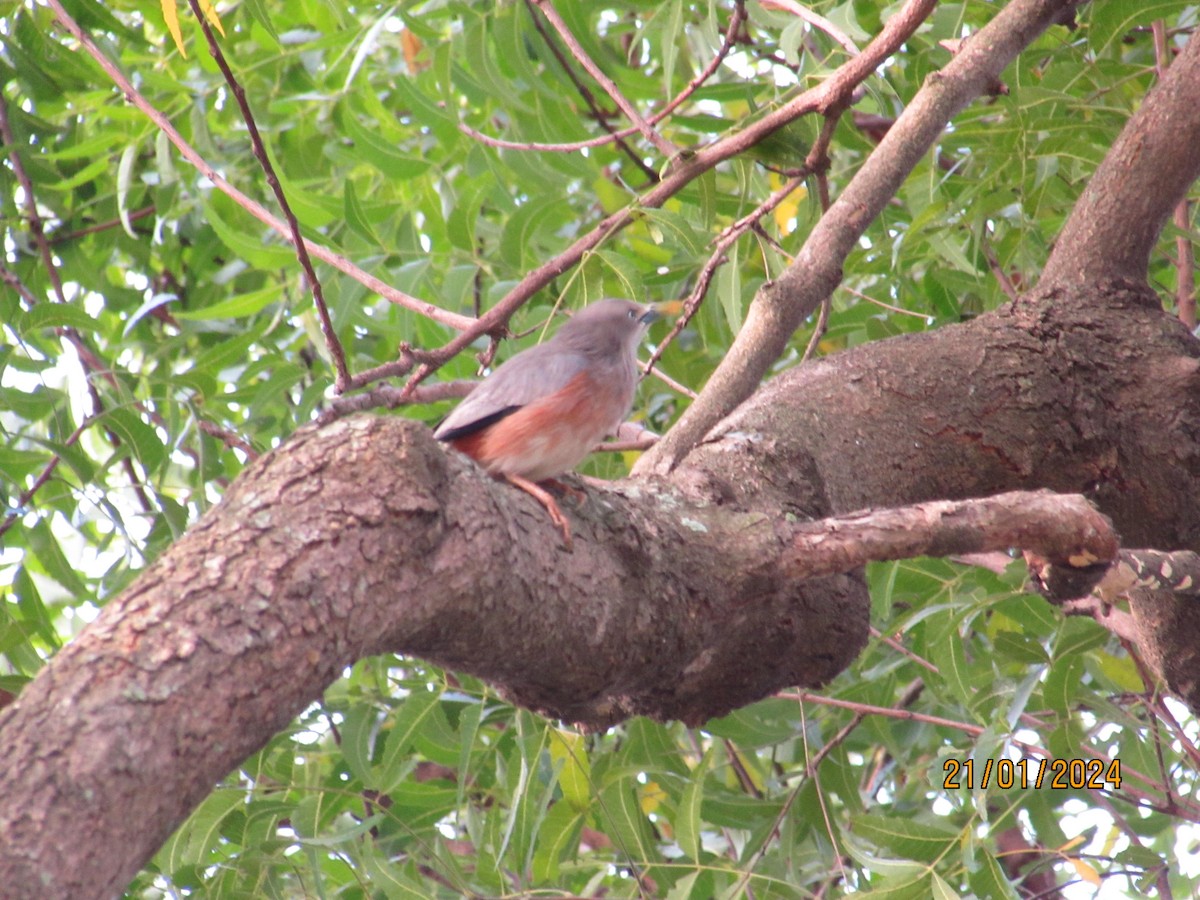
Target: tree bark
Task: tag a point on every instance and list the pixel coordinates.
(367, 537)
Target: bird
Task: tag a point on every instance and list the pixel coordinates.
(542, 411)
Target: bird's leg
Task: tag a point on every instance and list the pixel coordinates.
(538, 493)
(563, 488)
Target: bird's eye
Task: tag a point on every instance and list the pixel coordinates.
(632, 314)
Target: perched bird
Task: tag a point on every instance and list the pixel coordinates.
(541, 412)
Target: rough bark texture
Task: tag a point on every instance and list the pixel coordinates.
(782, 305)
(367, 537)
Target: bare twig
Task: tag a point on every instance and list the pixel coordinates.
(730, 38)
(436, 313)
(781, 305)
(816, 20)
(100, 226)
(332, 344)
(229, 438)
(588, 97)
(1006, 285)
(818, 329)
(13, 516)
(725, 240)
(665, 147)
(393, 397)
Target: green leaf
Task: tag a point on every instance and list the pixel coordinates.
(401, 735)
(234, 307)
(251, 249)
(55, 315)
(905, 836)
(355, 215)
(139, 437)
(687, 819)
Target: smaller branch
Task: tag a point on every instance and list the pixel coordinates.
(1006, 285)
(730, 38)
(1064, 528)
(13, 516)
(260, 153)
(901, 649)
(889, 307)
(100, 226)
(436, 313)
(815, 20)
(818, 329)
(391, 397)
(725, 240)
(229, 438)
(1185, 259)
(588, 97)
(665, 147)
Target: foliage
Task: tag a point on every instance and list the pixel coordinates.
(183, 334)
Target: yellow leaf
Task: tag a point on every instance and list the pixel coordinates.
(171, 18)
(787, 212)
(411, 45)
(1086, 872)
(1072, 843)
(210, 13)
(652, 796)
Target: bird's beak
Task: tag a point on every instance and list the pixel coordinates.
(656, 311)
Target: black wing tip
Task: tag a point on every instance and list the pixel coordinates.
(478, 425)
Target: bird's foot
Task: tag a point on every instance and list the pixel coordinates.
(542, 496)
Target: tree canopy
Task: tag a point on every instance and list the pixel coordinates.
(231, 552)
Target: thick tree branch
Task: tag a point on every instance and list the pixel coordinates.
(1117, 221)
(1063, 528)
(367, 537)
(781, 306)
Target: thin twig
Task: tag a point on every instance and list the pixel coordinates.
(1006, 285)
(665, 147)
(332, 344)
(588, 97)
(391, 397)
(65, 237)
(227, 437)
(814, 19)
(730, 38)
(13, 515)
(436, 313)
(819, 329)
(723, 242)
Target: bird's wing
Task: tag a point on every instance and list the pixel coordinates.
(530, 375)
